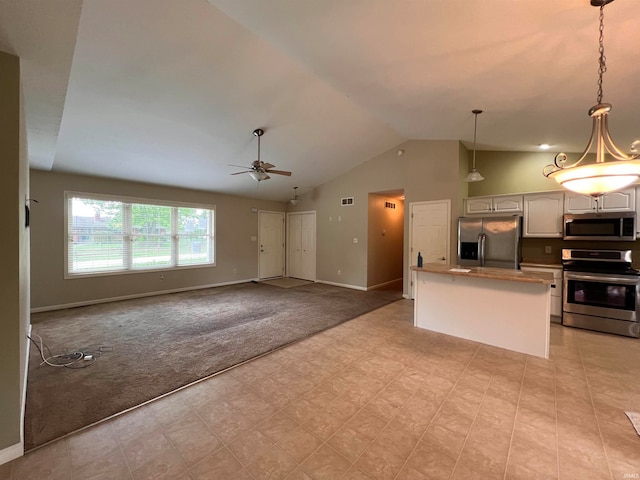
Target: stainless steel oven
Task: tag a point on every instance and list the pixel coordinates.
(601, 291)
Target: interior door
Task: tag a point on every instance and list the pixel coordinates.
(301, 253)
(271, 241)
(429, 231)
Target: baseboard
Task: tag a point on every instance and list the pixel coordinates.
(382, 285)
(17, 450)
(11, 453)
(407, 296)
(23, 401)
(135, 295)
(335, 284)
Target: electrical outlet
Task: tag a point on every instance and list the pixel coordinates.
(161, 277)
(339, 272)
(547, 249)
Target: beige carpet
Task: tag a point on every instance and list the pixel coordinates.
(286, 282)
(155, 345)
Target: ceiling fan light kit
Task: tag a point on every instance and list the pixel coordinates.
(474, 175)
(602, 176)
(259, 170)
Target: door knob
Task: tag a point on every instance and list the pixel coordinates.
(442, 258)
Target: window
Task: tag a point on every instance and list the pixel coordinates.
(114, 235)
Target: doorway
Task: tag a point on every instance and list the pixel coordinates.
(271, 241)
(385, 240)
(429, 233)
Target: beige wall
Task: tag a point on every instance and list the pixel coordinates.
(236, 254)
(386, 240)
(14, 258)
(428, 170)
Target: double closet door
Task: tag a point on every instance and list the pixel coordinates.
(301, 241)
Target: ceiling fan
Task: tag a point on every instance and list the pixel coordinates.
(258, 169)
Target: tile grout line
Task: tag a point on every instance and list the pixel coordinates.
(281, 410)
(595, 413)
(515, 417)
(435, 415)
(120, 447)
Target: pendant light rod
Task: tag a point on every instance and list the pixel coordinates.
(258, 132)
(474, 174)
(475, 131)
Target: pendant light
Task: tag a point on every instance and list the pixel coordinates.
(474, 174)
(602, 176)
(294, 200)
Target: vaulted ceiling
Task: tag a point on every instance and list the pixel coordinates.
(169, 92)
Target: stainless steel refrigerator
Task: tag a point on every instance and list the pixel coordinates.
(489, 241)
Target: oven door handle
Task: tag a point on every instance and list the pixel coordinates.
(598, 278)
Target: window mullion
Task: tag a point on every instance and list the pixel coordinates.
(128, 237)
(174, 236)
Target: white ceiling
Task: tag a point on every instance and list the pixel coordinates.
(169, 92)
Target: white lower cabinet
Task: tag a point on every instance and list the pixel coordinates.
(556, 288)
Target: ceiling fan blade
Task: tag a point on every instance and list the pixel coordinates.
(266, 165)
(238, 173)
(280, 172)
(239, 166)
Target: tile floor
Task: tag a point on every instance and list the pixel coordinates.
(376, 398)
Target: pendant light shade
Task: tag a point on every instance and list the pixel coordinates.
(604, 175)
(474, 174)
(294, 200)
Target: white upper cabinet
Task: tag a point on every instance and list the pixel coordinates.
(578, 203)
(621, 201)
(495, 204)
(478, 205)
(543, 215)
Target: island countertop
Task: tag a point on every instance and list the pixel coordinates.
(487, 272)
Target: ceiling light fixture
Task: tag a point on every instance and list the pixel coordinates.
(258, 175)
(474, 174)
(294, 200)
(602, 176)
(545, 146)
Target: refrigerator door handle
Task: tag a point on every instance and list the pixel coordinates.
(482, 239)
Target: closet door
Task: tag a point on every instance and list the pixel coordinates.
(294, 257)
(308, 243)
(301, 251)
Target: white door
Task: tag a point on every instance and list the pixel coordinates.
(429, 231)
(271, 238)
(301, 252)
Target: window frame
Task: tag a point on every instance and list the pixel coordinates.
(128, 234)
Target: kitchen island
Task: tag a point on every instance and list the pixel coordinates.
(501, 307)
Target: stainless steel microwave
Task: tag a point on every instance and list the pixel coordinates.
(612, 226)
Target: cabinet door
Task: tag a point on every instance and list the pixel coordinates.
(621, 201)
(543, 215)
(478, 205)
(512, 204)
(578, 203)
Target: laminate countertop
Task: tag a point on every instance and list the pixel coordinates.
(545, 278)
